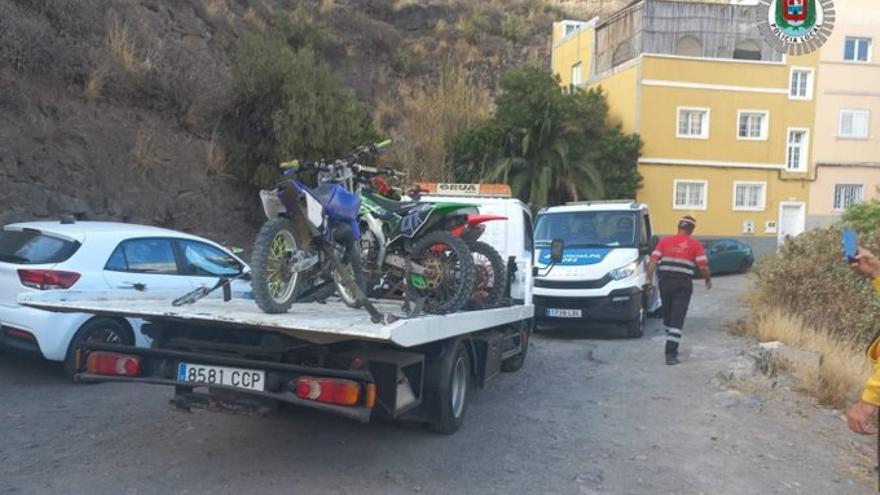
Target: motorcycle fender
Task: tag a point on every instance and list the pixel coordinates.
(272, 205)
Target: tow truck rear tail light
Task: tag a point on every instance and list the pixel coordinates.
(327, 390)
(113, 363)
(47, 279)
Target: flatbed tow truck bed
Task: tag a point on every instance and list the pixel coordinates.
(324, 356)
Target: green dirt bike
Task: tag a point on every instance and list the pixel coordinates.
(408, 245)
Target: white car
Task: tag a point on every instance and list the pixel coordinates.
(97, 256)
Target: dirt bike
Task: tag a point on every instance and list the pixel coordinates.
(311, 236)
(408, 245)
(490, 270)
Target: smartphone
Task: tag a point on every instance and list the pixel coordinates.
(850, 244)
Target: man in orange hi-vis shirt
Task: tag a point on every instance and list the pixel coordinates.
(678, 258)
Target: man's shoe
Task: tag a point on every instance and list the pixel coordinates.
(672, 360)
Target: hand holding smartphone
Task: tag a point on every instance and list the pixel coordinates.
(850, 243)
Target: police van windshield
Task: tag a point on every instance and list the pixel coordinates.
(587, 228)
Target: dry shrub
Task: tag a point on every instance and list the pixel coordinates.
(432, 115)
(327, 6)
(809, 278)
(844, 367)
(144, 155)
(94, 84)
(122, 45)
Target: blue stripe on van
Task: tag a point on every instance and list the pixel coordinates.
(576, 256)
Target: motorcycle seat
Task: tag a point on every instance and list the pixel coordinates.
(391, 205)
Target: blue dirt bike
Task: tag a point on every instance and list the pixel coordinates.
(311, 236)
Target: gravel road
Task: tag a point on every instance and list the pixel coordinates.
(589, 413)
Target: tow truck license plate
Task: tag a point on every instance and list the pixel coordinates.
(221, 375)
(564, 313)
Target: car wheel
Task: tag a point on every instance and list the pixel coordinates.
(96, 330)
(635, 328)
(745, 266)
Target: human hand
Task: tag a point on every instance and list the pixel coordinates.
(860, 417)
(866, 263)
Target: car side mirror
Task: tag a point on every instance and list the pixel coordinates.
(557, 249)
(645, 249)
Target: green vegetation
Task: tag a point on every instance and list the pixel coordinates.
(865, 219)
(514, 28)
(288, 103)
(550, 145)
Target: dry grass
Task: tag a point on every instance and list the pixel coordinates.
(122, 45)
(328, 6)
(143, 153)
(432, 115)
(215, 156)
(844, 366)
(94, 84)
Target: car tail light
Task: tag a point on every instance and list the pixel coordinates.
(327, 390)
(47, 279)
(113, 363)
(17, 332)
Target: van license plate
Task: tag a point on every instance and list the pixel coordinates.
(564, 313)
(202, 374)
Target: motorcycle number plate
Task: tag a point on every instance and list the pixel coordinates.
(314, 211)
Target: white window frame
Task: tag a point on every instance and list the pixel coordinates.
(576, 68)
(765, 125)
(864, 111)
(834, 207)
(804, 162)
(855, 52)
(761, 207)
(705, 184)
(809, 90)
(704, 130)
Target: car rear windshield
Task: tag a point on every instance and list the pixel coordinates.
(32, 247)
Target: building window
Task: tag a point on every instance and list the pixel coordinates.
(846, 195)
(690, 195)
(853, 124)
(749, 196)
(857, 49)
(747, 50)
(689, 46)
(752, 125)
(693, 123)
(801, 84)
(796, 150)
(576, 74)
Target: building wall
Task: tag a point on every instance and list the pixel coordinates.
(846, 85)
(569, 50)
(821, 212)
(621, 92)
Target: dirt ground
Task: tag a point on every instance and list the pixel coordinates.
(589, 413)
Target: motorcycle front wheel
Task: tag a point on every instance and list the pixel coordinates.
(450, 278)
(275, 285)
(491, 277)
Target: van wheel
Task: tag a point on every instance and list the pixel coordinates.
(635, 328)
(455, 392)
(96, 330)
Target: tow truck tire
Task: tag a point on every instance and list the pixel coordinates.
(516, 362)
(104, 330)
(455, 390)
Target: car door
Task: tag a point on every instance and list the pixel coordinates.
(204, 264)
(725, 257)
(145, 264)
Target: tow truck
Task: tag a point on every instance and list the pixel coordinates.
(223, 353)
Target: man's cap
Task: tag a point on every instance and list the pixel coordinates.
(687, 220)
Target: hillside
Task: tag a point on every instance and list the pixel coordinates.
(115, 109)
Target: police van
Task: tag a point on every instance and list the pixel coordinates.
(603, 271)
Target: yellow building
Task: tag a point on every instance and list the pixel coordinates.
(726, 121)
(846, 146)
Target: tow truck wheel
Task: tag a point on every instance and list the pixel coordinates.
(96, 330)
(454, 396)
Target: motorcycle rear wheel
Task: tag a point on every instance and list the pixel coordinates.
(453, 281)
(355, 269)
(275, 285)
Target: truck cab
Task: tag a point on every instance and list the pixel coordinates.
(602, 275)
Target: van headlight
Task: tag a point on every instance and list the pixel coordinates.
(624, 272)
